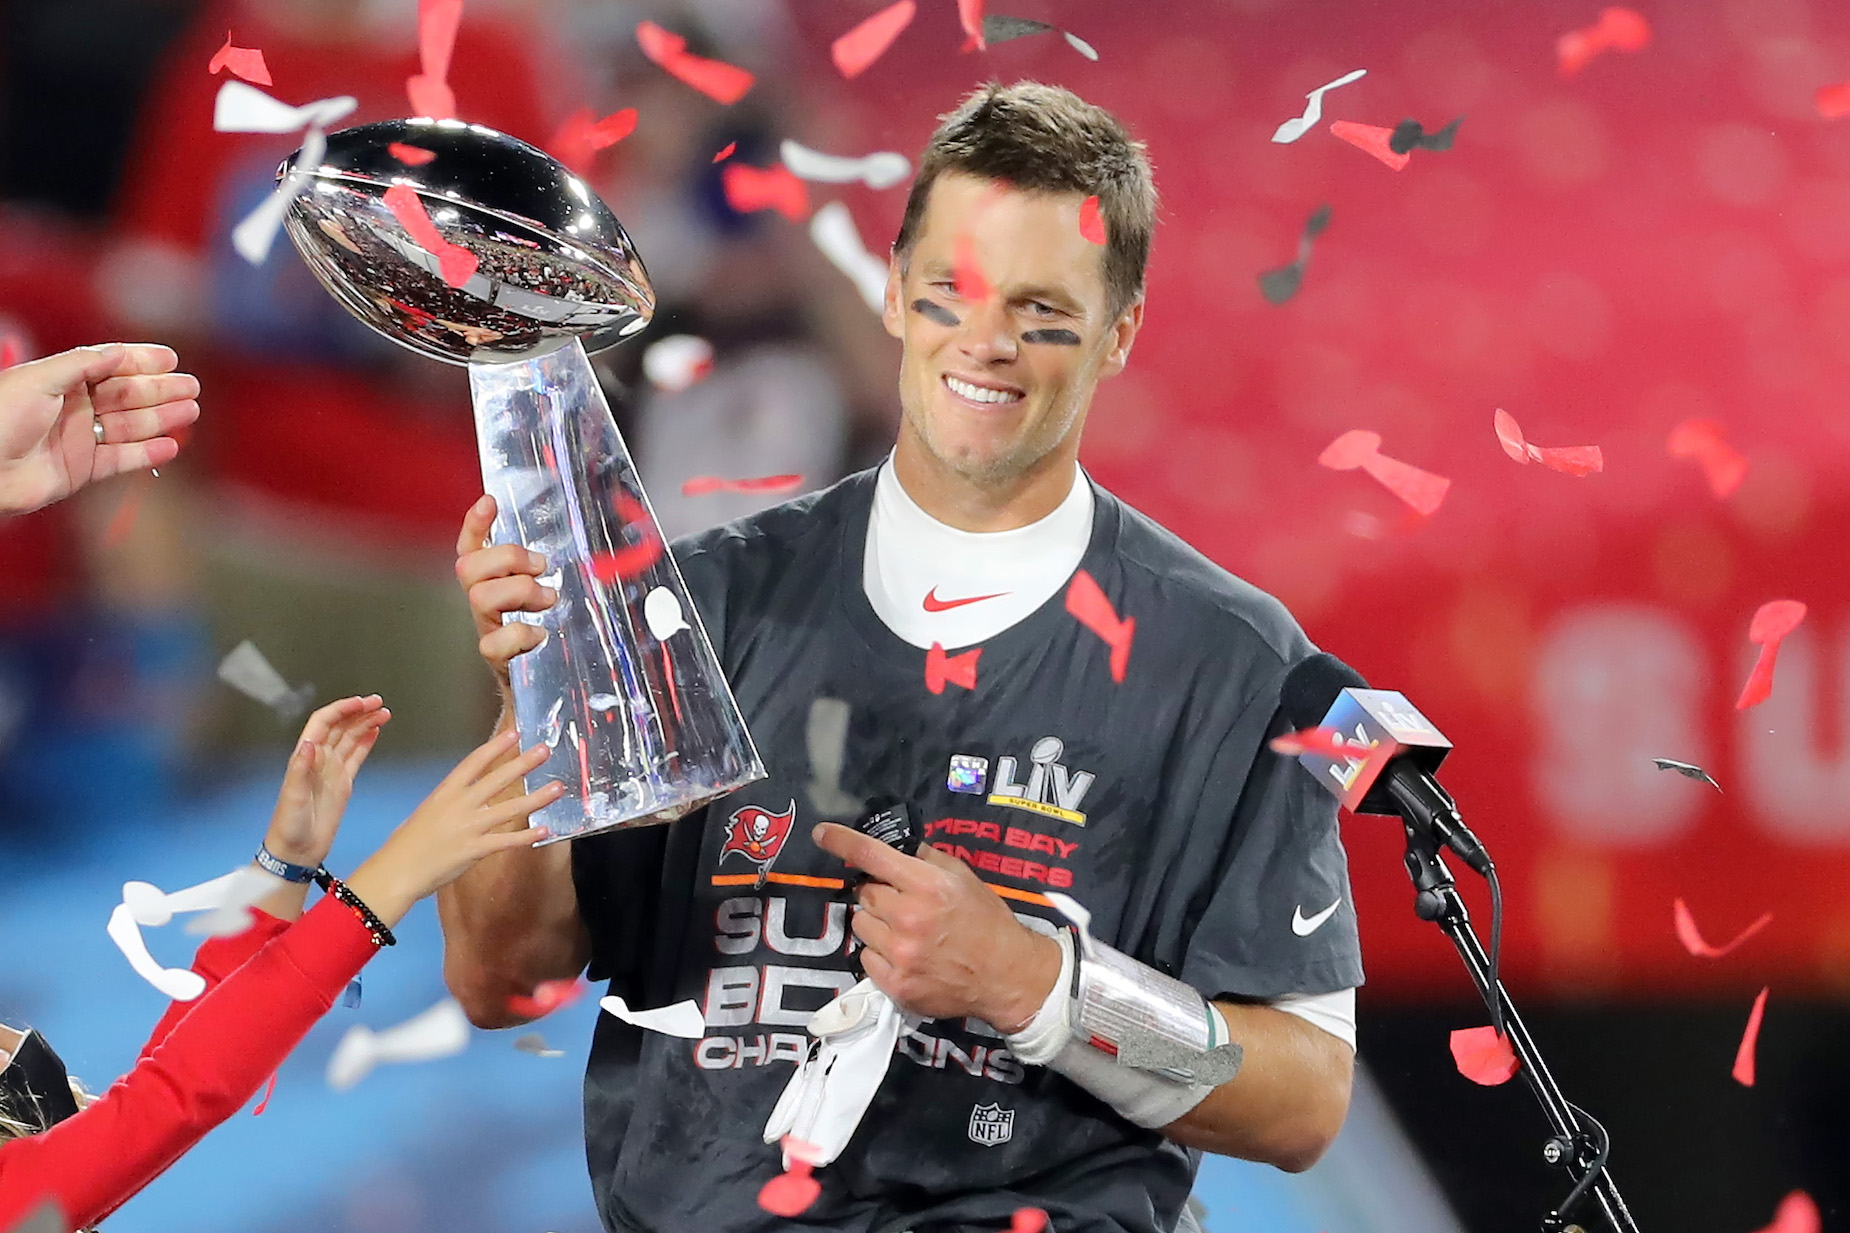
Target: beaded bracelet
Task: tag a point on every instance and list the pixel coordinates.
(334, 886)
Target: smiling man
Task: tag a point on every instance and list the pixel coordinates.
(1069, 701)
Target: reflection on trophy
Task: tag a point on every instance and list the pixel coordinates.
(493, 255)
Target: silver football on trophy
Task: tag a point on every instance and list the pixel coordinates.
(551, 262)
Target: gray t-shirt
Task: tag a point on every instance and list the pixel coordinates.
(1154, 802)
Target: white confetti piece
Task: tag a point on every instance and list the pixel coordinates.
(883, 169)
(248, 672)
(1070, 908)
(682, 1019)
(1297, 126)
(441, 1031)
(226, 902)
(676, 362)
(180, 984)
(603, 702)
(833, 231)
(242, 108)
(536, 1045)
(1080, 45)
(662, 610)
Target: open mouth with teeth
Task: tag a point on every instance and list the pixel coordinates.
(980, 394)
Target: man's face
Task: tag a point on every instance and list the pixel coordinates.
(993, 385)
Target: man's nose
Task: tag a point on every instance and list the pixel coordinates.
(989, 333)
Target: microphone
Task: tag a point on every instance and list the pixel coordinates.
(1397, 749)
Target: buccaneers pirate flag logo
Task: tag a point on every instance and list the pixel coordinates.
(758, 835)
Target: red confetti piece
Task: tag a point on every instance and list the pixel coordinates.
(1372, 138)
(1704, 441)
(854, 51)
(1833, 102)
(1744, 1056)
(429, 91)
(245, 62)
(722, 82)
(631, 559)
(269, 1089)
(704, 485)
(970, 14)
(1091, 226)
(457, 263)
(1797, 1213)
(10, 351)
(410, 156)
(966, 272)
(941, 669)
(1567, 459)
(1358, 447)
(547, 997)
(1087, 601)
(791, 1192)
(1692, 938)
(1483, 1055)
(1772, 622)
(128, 510)
(751, 188)
(582, 135)
(1325, 742)
(1028, 1220)
(1616, 30)
(725, 154)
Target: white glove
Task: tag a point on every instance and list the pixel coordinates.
(856, 1035)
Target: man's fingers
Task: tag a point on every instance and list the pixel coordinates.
(511, 640)
(130, 392)
(518, 593)
(867, 853)
(499, 561)
(476, 525)
(875, 934)
(945, 861)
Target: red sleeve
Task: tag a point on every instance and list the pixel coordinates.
(216, 960)
(214, 1059)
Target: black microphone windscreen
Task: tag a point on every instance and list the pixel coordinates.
(1311, 687)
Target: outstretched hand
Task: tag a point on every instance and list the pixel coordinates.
(319, 781)
(49, 408)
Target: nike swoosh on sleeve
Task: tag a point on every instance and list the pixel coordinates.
(934, 604)
(1304, 926)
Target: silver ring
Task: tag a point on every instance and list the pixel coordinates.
(96, 426)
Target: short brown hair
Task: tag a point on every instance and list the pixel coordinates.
(1045, 139)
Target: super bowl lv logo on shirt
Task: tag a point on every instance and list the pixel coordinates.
(1049, 789)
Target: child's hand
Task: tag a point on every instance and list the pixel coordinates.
(319, 780)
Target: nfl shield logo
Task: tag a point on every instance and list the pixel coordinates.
(991, 1125)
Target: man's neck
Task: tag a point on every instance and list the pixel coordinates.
(958, 502)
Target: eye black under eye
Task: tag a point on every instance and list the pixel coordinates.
(934, 312)
(1061, 338)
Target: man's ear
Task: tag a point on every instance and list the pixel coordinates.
(892, 312)
(1123, 333)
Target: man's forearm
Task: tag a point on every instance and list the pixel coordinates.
(1289, 1099)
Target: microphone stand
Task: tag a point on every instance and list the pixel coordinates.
(1579, 1144)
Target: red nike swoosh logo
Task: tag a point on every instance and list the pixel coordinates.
(934, 604)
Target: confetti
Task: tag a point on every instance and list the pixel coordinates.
(1408, 136)
(1358, 447)
(1704, 441)
(1028, 1220)
(410, 156)
(719, 81)
(1616, 30)
(706, 485)
(677, 362)
(1744, 1056)
(441, 1031)
(1079, 45)
(429, 91)
(833, 232)
(241, 108)
(128, 511)
(1568, 459)
(177, 984)
(1278, 286)
(1372, 138)
(1691, 937)
(547, 996)
(882, 169)
(1833, 102)
(245, 62)
(942, 669)
(1087, 601)
(1797, 1213)
(1000, 29)
(661, 609)
(631, 559)
(535, 1044)
(966, 271)
(269, 1090)
(1324, 742)
(726, 153)
(826, 737)
(455, 263)
(681, 1019)
(856, 50)
(791, 1192)
(582, 135)
(226, 900)
(1297, 126)
(751, 188)
(247, 671)
(1091, 226)
(1772, 622)
(970, 15)
(1483, 1055)
(1689, 770)
(12, 351)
